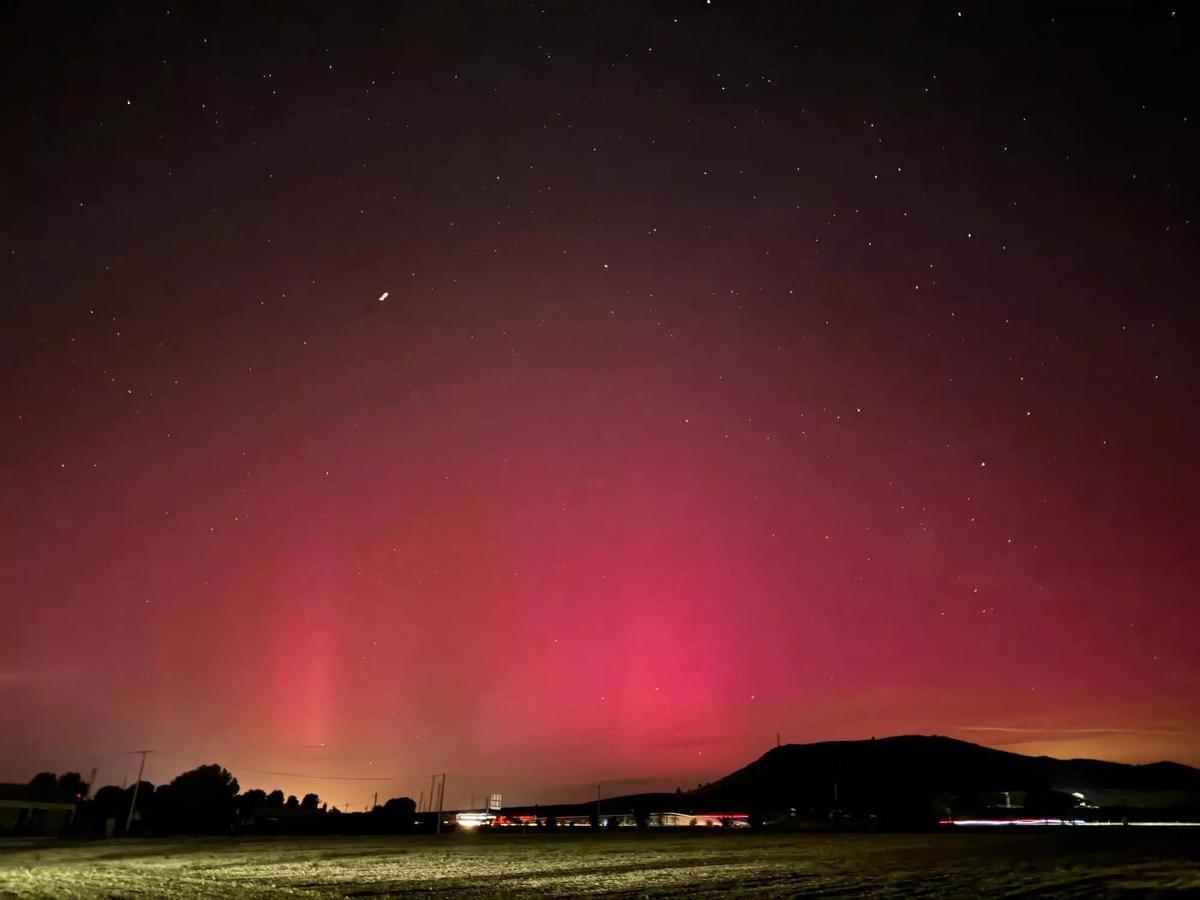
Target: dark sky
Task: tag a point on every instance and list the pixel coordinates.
(591, 392)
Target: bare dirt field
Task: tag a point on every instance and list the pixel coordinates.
(1046, 864)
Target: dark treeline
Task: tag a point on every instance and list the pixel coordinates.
(208, 800)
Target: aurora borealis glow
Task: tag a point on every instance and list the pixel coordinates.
(556, 395)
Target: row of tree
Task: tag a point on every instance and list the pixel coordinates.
(206, 800)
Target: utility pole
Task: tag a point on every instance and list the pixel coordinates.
(421, 802)
(441, 801)
(375, 802)
(91, 783)
(136, 785)
(432, 786)
(597, 807)
(778, 740)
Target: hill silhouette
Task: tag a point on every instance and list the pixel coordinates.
(915, 780)
(903, 778)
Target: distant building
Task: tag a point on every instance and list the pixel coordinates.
(29, 810)
(699, 820)
(35, 817)
(525, 819)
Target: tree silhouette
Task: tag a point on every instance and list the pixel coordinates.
(292, 802)
(311, 802)
(398, 813)
(404, 807)
(67, 786)
(109, 802)
(44, 782)
(202, 800)
(275, 798)
(252, 800)
(71, 784)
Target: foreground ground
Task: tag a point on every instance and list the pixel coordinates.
(1059, 863)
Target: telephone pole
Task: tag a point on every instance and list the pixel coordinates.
(136, 785)
(441, 801)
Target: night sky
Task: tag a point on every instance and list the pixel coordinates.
(591, 393)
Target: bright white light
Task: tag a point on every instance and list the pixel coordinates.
(1066, 822)
(383, 296)
(473, 819)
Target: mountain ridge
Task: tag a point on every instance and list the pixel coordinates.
(901, 775)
